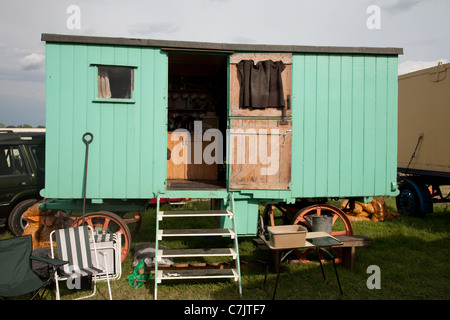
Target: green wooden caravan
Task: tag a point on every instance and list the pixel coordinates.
(274, 124)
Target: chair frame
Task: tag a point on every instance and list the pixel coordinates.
(96, 276)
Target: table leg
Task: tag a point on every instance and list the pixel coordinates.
(265, 277)
(337, 276)
(320, 261)
(278, 275)
(335, 270)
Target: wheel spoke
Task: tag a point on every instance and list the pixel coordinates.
(335, 212)
(335, 217)
(106, 224)
(108, 221)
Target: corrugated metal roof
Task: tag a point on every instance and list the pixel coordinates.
(211, 46)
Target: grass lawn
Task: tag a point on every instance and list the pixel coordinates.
(413, 256)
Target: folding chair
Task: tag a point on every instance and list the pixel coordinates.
(16, 275)
(74, 245)
(108, 243)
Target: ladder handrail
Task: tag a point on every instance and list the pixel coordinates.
(156, 247)
(236, 243)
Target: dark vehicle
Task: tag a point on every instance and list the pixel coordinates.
(22, 175)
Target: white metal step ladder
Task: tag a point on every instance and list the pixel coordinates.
(233, 273)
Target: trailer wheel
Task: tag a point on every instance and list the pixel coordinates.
(408, 201)
(341, 225)
(108, 221)
(16, 222)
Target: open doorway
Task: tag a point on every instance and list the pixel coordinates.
(197, 102)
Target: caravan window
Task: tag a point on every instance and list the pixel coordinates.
(115, 82)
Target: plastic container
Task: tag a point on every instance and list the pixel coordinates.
(291, 236)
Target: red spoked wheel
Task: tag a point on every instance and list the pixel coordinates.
(108, 221)
(133, 221)
(341, 225)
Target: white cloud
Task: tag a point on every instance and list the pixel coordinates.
(32, 61)
(411, 66)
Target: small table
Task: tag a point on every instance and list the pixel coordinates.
(317, 240)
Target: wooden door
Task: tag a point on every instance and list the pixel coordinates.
(176, 165)
(182, 165)
(260, 154)
(260, 139)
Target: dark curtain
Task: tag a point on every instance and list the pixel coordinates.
(261, 84)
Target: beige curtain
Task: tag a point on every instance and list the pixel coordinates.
(104, 90)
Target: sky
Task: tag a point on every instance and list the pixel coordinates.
(420, 27)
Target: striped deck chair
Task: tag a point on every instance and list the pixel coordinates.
(73, 245)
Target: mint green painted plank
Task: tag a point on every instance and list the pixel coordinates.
(66, 109)
(160, 118)
(357, 139)
(133, 137)
(322, 126)
(309, 133)
(298, 102)
(391, 121)
(381, 113)
(345, 136)
(80, 100)
(334, 125)
(106, 146)
(52, 52)
(92, 124)
(146, 118)
(368, 176)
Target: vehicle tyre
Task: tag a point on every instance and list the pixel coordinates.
(408, 201)
(16, 222)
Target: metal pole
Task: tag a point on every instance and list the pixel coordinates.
(87, 138)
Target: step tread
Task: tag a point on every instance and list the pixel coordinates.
(196, 274)
(196, 232)
(188, 213)
(197, 252)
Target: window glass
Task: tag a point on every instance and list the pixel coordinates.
(11, 162)
(115, 82)
(39, 156)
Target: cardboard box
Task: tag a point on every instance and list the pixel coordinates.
(290, 236)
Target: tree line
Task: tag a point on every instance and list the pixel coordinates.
(2, 125)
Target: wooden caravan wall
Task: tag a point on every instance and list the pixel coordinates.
(257, 171)
(345, 125)
(127, 157)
